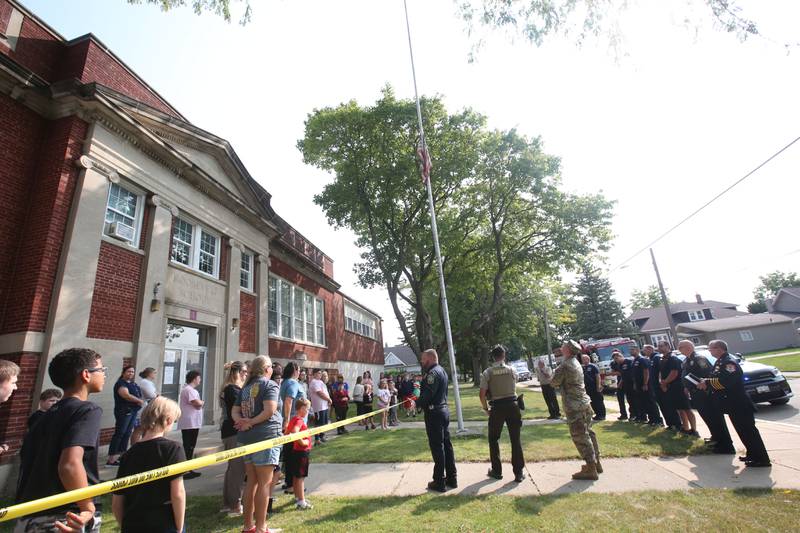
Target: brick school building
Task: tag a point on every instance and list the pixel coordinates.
(131, 231)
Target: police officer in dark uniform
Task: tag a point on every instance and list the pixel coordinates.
(726, 384)
(653, 388)
(594, 387)
(622, 367)
(646, 406)
(499, 390)
(433, 402)
(697, 367)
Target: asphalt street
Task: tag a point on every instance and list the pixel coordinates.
(786, 414)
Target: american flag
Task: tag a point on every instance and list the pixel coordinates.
(424, 161)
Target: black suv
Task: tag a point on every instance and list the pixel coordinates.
(763, 383)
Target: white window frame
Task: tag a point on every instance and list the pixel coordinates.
(248, 272)
(358, 321)
(658, 337)
(137, 218)
(696, 316)
(194, 247)
(746, 335)
(295, 292)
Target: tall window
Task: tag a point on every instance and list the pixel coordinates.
(286, 310)
(246, 272)
(273, 306)
(302, 316)
(123, 214)
(195, 247)
(360, 321)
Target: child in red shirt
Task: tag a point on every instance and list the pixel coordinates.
(297, 462)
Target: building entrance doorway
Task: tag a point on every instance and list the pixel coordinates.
(186, 349)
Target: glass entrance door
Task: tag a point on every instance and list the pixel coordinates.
(186, 349)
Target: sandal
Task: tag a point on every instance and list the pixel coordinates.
(251, 530)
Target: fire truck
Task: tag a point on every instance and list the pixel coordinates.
(603, 349)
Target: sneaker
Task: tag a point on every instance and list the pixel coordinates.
(622, 418)
(191, 474)
(304, 505)
(491, 473)
(758, 464)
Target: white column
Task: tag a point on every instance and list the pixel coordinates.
(152, 321)
(262, 316)
(233, 307)
(73, 291)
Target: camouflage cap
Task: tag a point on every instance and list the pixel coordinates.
(575, 347)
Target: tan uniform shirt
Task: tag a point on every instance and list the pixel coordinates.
(500, 380)
(569, 376)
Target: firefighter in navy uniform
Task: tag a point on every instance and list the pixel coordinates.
(726, 385)
(433, 402)
(499, 388)
(697, 366)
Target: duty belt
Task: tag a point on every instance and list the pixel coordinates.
(503, 401)
(431, 407)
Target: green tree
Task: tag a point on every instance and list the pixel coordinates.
(769, 287)
(597, 313)
(501, 212)
(647, 298)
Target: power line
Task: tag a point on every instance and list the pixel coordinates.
(715, 198)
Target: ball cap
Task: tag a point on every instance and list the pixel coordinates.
(575, 347)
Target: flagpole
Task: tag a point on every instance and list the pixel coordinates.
(434, 229)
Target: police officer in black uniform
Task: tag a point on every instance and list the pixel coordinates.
(726, 384)
(433, 402)
(622, 367)
(646, 405)
(698, 367)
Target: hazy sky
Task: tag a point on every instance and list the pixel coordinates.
(661, 125)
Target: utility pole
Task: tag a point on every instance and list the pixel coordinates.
(672, 329)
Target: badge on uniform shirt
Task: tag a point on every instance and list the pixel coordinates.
(431, 379)
(730, 367)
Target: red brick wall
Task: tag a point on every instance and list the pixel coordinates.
(14, 413)
(146, 216)
(341, 344)
(42, 234)
(103, 69)
(224, 259)
(247, 323)
(36, 50)
(115, 300)
(20, 138)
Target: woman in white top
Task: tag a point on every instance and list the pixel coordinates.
(147, 385)
(358, 398)
(191, 416)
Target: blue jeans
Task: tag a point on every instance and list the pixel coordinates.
(323, 418)
(122, 431)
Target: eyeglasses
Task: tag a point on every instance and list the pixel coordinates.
(103, 369)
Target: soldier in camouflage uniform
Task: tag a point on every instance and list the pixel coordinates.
(569, 377)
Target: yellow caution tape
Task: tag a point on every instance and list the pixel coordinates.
(58, 500)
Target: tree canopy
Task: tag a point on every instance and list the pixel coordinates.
(769, 287)
(598, 314)
(647, 298)
(504, 220)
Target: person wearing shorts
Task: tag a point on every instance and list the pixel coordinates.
(257, 418)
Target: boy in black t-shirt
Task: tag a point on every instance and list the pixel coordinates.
(47, 399)
(158, 506)
(59, 453)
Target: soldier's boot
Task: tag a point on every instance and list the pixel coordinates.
(599, 467)
(588, 472)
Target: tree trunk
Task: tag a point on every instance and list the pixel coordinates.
(476, 370)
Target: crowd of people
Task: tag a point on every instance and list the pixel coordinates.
(260, 400)
(657, 387)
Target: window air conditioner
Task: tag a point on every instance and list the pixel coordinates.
(121, 231)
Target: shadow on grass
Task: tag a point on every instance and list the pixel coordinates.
(355, 507)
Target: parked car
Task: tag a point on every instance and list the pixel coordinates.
(763, 383)
(522, 370)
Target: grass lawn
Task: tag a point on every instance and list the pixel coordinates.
(782, 350)
(540, 443)
(786, 363)
(698, 510)
(471, 403)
